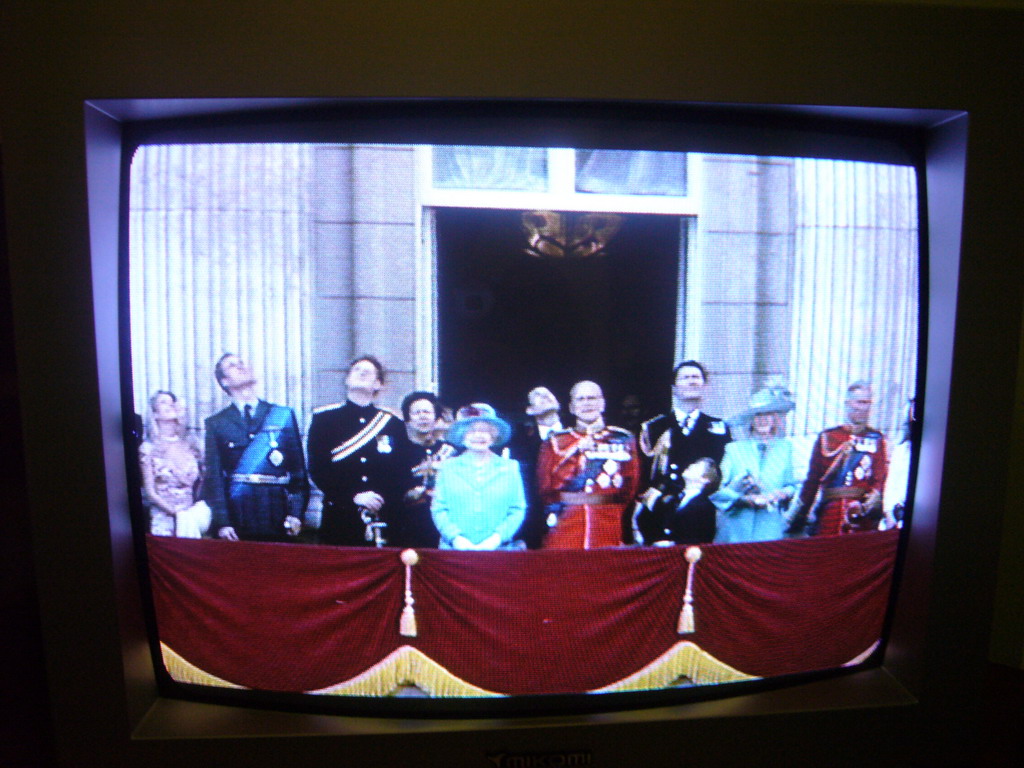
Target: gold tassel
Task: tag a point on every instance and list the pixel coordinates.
(687, 623)
(686, 620)
(407, 623)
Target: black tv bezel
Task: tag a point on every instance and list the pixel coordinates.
(874, 135)
(951, 56)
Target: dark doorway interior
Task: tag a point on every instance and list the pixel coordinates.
(509, 321)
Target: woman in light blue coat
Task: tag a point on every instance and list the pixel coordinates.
(758, 480)
(479, 502)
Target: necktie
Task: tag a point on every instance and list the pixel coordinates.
(248, 419)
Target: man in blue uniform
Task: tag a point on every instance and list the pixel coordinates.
(675, 440)
(256, 482)
(353, 460)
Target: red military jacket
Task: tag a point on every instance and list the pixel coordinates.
(576, 468)
(843, 459)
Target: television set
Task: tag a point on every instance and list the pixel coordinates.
(100, 644)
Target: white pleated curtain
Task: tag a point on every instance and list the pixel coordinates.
(218, 262)
(513, 168)
(855, 290)
(629, 172)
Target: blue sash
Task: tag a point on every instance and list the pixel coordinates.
(260, 447)
(866, 444)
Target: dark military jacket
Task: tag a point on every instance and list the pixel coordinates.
(412, 525)
(353, 448)
(255, 510)
(672, 451)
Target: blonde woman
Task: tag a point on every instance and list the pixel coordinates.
(172, 465)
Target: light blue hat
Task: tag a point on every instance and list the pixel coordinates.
(774, 398)
(470, 414)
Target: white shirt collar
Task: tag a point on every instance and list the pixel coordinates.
(682, 416)
(240, 405)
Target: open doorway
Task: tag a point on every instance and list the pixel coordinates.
(510, 321)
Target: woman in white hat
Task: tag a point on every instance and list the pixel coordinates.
(479, 502)
(758, 481)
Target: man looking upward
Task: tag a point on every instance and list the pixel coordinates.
(542, 413)
(256, 482)
(352, 460)
(675, 440)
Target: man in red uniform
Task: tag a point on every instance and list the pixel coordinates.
(847, 473)
(587, 476)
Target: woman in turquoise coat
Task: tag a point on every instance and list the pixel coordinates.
(758, 479)
(479, 502)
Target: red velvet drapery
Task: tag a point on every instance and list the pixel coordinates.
(290, 617)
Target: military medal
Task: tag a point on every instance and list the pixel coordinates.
(383, 444)
(276, 457)
(866, 445)
(863, 468)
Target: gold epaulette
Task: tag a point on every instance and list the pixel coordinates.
(650, 421)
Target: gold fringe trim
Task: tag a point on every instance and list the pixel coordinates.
(406, 666)
(863, 656)
(409, 666)
(185, 672)
(681, 660)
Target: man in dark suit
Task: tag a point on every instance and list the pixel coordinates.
(542, 420)
(675, 440)
(354, 461)
(256, 482)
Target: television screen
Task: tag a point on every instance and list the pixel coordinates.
(508, 424)
(87, 87)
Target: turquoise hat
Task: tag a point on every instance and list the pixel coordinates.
(772, 399)
(470, 414)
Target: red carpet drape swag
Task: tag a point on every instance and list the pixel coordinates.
(289, 617)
